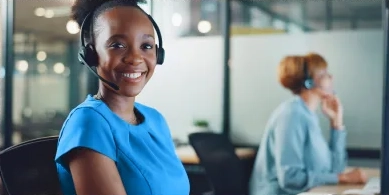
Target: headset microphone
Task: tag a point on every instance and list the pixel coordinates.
(113, 85)
(81, 58)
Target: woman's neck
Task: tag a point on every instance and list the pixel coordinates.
(121, 105)
(311, 100)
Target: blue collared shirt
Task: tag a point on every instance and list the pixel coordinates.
(294, 156)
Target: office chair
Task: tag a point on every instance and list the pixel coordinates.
(29, 168)
(222, 166)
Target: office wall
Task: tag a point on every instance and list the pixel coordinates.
(188, 85)
(355, 58)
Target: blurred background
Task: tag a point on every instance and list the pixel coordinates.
(48, 80)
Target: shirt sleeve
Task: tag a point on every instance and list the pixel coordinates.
(293, 176)
(86, 128)
(338, 150)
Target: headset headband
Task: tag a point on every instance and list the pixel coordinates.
(86, 22)
(305, 69)
(307, 80)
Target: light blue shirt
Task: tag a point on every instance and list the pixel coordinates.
(144, 154)
(294, 156)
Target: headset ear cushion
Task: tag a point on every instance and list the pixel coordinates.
(160, 55)
(308, 84)
(90, 55)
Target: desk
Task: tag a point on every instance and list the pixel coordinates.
(188, 155)
(339, 189)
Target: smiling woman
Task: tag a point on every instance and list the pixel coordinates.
(110, 144)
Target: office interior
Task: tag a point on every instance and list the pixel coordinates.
(220, 68)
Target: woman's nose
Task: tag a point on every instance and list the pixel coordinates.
(133, 58)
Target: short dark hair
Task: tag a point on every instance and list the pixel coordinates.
(81, 8)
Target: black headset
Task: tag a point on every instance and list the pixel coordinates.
(308, 80)
(87, 54)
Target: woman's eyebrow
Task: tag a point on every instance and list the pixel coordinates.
(117, 36)
(123, 36)
(146, 36)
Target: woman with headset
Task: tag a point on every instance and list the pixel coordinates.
(293, 156)
(110, 144)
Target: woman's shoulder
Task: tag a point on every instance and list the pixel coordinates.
(291, 108)
(86, 126)
(151, 114)
(86, 118)
(147, 110)
(155, 119)
(88, 109)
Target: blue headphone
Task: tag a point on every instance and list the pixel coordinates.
(308, 80)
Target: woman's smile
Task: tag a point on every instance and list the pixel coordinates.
(133, 77)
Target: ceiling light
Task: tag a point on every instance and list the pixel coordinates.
(176, 19)
(40, 11)
(72, 27)
(49, 13)
(204, 26)
(41, 56)
(59, 68)
(22, 65)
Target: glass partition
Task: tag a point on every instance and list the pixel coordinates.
(348, 34)
(45, 42)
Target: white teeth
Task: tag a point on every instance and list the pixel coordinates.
(132, 75)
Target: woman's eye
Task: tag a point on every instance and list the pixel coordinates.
(147, 46)
(116, 45)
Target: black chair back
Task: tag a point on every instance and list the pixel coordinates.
(29, 168)
(223, 167)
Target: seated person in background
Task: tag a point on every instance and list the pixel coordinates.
(109, 144)
(293, 156)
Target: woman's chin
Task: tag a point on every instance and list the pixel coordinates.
(131, 91)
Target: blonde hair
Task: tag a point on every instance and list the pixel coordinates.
(291, 70)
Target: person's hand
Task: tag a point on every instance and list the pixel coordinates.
(333, 109)
(355, 176)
